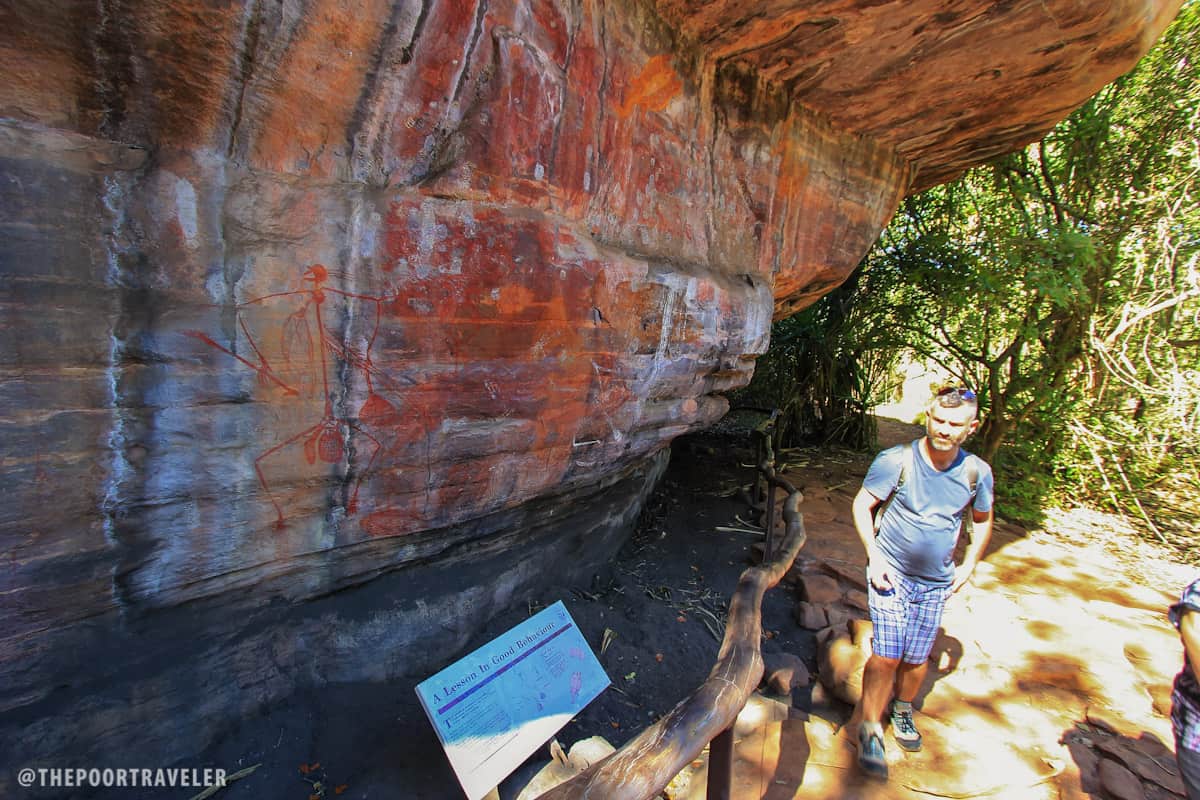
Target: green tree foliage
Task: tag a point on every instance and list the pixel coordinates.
(994, 292)
(1061, 283)
(1136, 441)
(821, 371)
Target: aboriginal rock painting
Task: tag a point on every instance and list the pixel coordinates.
(293, 359)
(481, 361)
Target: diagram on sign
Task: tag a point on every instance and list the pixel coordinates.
(495, 706)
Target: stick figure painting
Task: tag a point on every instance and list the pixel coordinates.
(297, 342)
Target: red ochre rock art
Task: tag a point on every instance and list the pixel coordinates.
(304, 346)
(551, 235)
(509, 380)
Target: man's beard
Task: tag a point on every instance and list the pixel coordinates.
(943, 444)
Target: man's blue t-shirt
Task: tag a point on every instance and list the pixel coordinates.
(918, 532)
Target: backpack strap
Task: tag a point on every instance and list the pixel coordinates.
(906, 465)
(972, 469)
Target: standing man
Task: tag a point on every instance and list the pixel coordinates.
(926, 487)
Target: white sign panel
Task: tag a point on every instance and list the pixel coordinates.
(494, 707)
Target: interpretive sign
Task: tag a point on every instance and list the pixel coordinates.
(494, 707)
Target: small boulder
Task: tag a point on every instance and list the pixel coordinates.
(1154, 767)
(810, 617)
(841, 658)
(820, 589)
(861, 632)
(1120, 782)
(855, 576)
(856, 599)
(564, 766)
(783, 672)
(1087, 761)
(842, 617)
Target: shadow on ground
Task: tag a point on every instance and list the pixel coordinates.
(1048, 637)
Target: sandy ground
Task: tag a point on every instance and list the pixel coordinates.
(1050, 679)
(1052, 660)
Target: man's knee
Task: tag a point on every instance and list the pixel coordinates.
(908, 666)
(882, 665)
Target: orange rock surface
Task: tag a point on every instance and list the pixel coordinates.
(298, 295)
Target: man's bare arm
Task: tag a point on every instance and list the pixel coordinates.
(980, 536)
(864, 523)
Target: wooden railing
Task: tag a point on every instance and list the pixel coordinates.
(646, 764)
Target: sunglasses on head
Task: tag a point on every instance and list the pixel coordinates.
(959, 392)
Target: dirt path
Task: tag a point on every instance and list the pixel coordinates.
(1057, 628)
(1051, 678)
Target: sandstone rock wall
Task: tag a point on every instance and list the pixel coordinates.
(301, 294)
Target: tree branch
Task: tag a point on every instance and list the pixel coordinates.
(1137, 318)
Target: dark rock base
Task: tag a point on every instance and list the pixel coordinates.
(151, 691)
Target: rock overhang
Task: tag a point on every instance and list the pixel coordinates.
(945, 85)
(551, 235)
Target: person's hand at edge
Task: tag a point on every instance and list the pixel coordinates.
(962, 574)
(880, 575)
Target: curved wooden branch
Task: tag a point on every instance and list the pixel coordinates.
(647, 763)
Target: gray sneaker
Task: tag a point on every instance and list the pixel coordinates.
(870, 754)
(904, 731)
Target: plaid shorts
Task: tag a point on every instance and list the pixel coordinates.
(906, 618)
(1185, 699)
